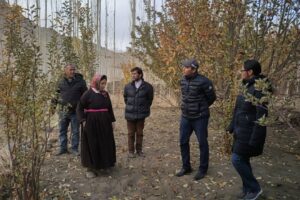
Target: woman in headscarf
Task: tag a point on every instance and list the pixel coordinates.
(95, 113)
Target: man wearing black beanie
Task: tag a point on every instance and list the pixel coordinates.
(253, 65)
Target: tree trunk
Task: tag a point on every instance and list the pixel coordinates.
(114, 66)
(98, 25)
(133, 21)
(46, 13)
(106, 24)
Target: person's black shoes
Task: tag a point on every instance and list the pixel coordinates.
(199, 176)
(241, 195)
(253, 195)
(75, 153)
(183, 172)
(61, 152)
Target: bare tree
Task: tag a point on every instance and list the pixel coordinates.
(148, 10)
(133, 19)
(71, 17)
(38, 7)
(76, 18)
(51, 8)
(114, 67)
(46, 13)
(106, 24)
(98, 25)
(154, 14)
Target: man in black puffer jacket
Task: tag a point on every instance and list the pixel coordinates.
(249, 135)
(197, 95)
(69, 90)
(138, 97)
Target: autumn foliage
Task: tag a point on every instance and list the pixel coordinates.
(221, 35)
(26, 88)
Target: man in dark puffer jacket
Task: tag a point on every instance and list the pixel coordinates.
(197, 95)
(138, 97)
(69, 90)
(249, 135)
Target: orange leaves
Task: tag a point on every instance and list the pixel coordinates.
(126, 71)
(186, 29)
(214, 33)
(15, 14)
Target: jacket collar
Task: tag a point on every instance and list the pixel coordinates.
(192, 76)
(132, 82)
(77, 76)
(252, 80)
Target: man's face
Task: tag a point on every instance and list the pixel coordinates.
(70, 71)
(135, 76)
(186, 71)
(246, 74)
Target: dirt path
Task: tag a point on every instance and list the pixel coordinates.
(152, 177)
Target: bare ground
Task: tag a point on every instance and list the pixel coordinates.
(152, 177)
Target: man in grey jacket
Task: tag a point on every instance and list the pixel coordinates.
(69, 90)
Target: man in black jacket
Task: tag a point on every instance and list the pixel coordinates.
(69, 90)
(249, 136)
(138, 97)
(197, 95)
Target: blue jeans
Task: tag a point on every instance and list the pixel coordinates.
(243, 167)
(64, 121)
(187, 126)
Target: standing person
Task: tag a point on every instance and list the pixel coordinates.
(95, 112)
(197, 95)
(138, 97)
(70, 88)
(249, 136)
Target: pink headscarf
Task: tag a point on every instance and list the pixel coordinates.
(97, 77)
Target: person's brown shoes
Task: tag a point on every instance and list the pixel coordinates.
(140, 154)
(131, 155)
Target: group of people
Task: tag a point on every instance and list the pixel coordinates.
(91, 109)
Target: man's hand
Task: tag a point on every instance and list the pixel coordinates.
(229, 129)
(83, 123)
(52, 110)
